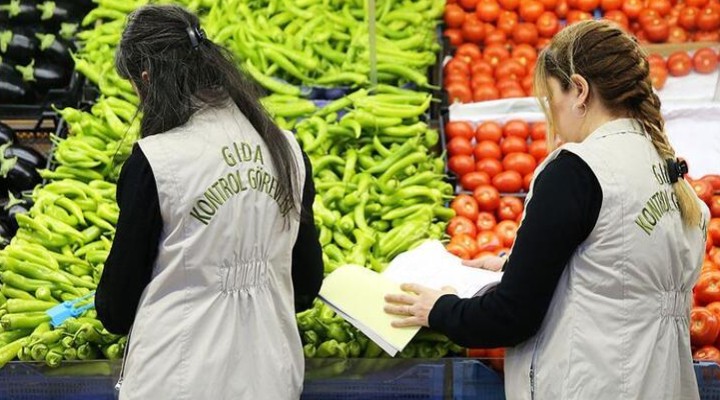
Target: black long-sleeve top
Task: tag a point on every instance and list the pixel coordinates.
(560, 215)
(129, 265)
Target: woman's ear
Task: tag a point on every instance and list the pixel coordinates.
(582, 87)
(145, 77)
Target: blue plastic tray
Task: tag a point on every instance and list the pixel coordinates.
(72, 381)
(708, 378)
(377, 379)
(475, 380)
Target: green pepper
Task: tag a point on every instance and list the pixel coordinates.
(309, 350)
(21, 305)
(310, 337)
(13, 293)
(87, 351)
(9, 351)
(36, 271)
(327, 349)
(99, 222)
(23, 321)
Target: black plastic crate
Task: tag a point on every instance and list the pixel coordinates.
(708, 378)
(60, 98)
(81, 380)
(475, 380)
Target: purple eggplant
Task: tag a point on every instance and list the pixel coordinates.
(7, 134)
(12, 206)
(17, 46)
(45, 76)
(19, 12)
(27, 155)
(12, 87)
(55, 13)
(18, 175)
(54, 50)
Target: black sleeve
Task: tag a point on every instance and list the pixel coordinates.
(129, 265)
(560, 215)
(307, 262)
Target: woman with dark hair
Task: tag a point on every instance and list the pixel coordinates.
(595, 299)
(216, 248)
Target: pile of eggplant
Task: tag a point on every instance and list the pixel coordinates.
(18, 177)
(35, 46)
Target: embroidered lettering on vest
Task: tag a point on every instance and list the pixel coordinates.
(658, 205)
(226, 187)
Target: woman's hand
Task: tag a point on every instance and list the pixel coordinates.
(491, 263)
(414, 306)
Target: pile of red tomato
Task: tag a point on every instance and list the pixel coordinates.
(497, 40)
(503, 156)
(705, 314)
(703, 61)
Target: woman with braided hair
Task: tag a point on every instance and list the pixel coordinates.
(597, 290)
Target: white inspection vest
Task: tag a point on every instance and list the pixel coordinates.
(618, 324)
(217, 320)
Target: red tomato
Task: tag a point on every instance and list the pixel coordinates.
(497, 358)
(677, 35)
(490, 166)
(706, 36)
(707, 353)
(657, 30)
(703, 189)
(696, 3)
(454, 16)
(489, 130)
(507, 21)
(656, 60)
(459, 146)
(454, 35)
(457, 65)
(679, 64)
(714, 231)
(708, 19)
(468, 5)
(485, 221)
(538, 149)
(475, 353)
(488, 11)
(527, 84)
(487, 149)
(455, 129)
(512, 93)
(506, 231)
(495, 37)
(632, 8)
(663, 7)
(485, 92)
(610, 5)
(509, 208)
(658, 76)
(509, 5)
(468, 52)
(510, 69)
(562, 9)
(618, 17)
(466, 241)
(507, 83)
(704, 327)
(495, 53)
(516, 127)
(456, 79)
(488, 241)
(513, 144)
(458, 92)
(508, 182)
(523, 163)
(530, 10)
(714, 308)
(473, 31)
(480, 79)
(575, 16)
(487, 197)
(524, 53)
(465, 206)
(461, 225)
(527, 180)
(687, 17)
(538, 131)
(525, 32)
(458, 250)
(713, 180)
(707, 288)
(472, 180)
(705, 61)
(547, 24)
(461, 165)
(549, 5)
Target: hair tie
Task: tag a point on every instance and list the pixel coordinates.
(196, 35)
(676, 169)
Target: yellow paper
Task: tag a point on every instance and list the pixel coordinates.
(358, 295)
